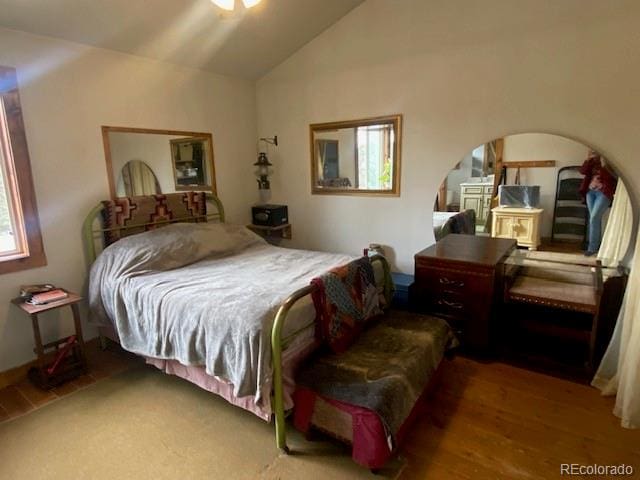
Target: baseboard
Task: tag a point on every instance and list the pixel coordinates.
(18, 374)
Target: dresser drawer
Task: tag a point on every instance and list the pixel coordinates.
(458, 278)
(472, 190)
(444, 278)
(449, 306)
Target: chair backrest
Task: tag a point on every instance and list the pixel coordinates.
(570, 212)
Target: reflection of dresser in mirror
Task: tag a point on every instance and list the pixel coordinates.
(520, 224)
(476, 196)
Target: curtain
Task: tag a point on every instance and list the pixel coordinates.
(320, 149)
(617, 234)
(619, 371)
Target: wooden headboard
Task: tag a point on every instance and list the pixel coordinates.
(112, 220)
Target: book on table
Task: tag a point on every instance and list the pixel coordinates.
(47, 297)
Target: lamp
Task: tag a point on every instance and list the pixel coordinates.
(229, 4)
(263, 164)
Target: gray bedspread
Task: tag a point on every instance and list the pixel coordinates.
(202, 294)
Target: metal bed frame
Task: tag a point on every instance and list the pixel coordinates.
(91, 234)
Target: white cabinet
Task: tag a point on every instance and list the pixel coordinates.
(476, 196)
(521, 224)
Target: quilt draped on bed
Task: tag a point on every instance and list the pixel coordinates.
(201, 294)
(345, 298)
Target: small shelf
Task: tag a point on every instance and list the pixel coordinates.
(282, 231)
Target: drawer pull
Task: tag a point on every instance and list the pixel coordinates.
(446, 303)
(451, 283)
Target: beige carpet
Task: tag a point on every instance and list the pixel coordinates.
(142, 424)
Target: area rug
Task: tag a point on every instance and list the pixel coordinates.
(142, 424)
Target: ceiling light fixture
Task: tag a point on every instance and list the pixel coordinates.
(230, 4)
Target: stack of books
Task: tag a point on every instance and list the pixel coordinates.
(42, 294)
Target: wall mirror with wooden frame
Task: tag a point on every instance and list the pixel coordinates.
(356, 157)
(143, 161)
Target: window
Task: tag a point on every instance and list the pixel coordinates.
(20, 240)
(374, 150)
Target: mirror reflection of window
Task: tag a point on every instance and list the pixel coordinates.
(137, 178)
(374, 150)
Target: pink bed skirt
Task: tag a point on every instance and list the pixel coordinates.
(300, 349)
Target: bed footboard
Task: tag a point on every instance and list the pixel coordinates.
(276, 358)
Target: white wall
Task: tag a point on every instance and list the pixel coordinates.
(458, 176)
(462, 73)
(68, 91)
(535, 146)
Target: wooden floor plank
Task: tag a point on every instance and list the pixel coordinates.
(601, 426)
(36, 396)
(446, 465)
(541, 437)
(492, 420)
(64, 389)
(83, 380)
(13, 402)
(549, 387)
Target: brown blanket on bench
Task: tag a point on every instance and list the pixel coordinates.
(386, 369)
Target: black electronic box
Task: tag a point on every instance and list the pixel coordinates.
(270, 215)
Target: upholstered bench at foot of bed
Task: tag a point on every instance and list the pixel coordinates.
(424, 339)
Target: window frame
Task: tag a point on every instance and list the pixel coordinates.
(10, 97)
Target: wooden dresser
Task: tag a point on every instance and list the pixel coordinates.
(476, 196)
(457, 278)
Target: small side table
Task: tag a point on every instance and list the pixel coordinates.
(71, 366)
(282, 231)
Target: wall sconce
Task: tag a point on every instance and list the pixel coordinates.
(263, 164)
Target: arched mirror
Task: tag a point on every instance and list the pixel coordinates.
(566, 208)
(137, 178)
(545, 191)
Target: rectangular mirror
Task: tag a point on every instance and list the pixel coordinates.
(143, 161)
(356, 156)
(191, 163)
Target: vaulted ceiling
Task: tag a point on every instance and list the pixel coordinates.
(196, 33)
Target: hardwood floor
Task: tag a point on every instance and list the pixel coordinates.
(560, 246)
(485, 421)
(492, 420)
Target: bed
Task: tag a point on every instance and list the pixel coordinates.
(178, 295)
(445, 223)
